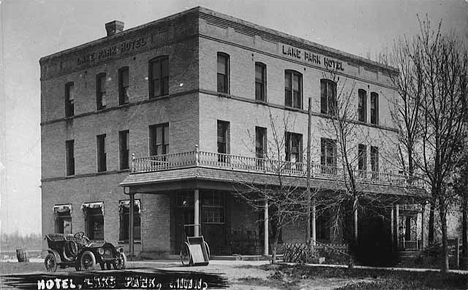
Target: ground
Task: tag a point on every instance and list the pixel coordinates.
(263, 275)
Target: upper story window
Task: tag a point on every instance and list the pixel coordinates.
(374, 160)
(223, 137)
(159, 77)
(223, 73)
(362, 105)
(374, 106)
(101, 153)
(69, 100)
(124, 149)
(260, 142)
(260, 81)
(362, 159)
(328, 101)
(293, 147)
(123, 85)
(293, 89)
(101, 91)
(159, 139)
(70, 156)
(328, 158)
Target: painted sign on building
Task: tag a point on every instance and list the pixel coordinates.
(312, 58)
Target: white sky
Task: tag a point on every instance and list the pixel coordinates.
(33, 29)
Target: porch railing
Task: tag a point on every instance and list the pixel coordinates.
(260, 165)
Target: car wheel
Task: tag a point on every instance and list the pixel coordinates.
(50, 262)
(88, 261)
(121, 262)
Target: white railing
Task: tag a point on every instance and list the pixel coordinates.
(260, 165)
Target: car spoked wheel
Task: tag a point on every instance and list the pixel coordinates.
(121, 261)
(50, 262)
(88, 261)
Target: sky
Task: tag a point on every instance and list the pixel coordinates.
(31, 29)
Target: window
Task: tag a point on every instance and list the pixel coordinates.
(260, 146)
(293, 89)
(124, 214)
(374, 108)
(101, 91)
(362, 160)
(69, 100)
(223, 73)
(159, 139)
(323, 225)
(101, 152)
(213, 207)
(123, 85)
(223, 141)
(362, 106)
(70, 156)
(328, 102)
(94, 220)
(260, 142)
(159, 77)
(328, 156)
(123, 149)
(293, 147)
(374, 159)
(63, 220)
(260, 81)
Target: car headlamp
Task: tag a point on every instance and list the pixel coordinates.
(101, 251)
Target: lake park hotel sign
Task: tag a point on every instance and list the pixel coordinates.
(312, 58)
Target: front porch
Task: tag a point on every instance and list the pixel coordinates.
(198, 172)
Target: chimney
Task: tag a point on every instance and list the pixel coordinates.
(114, 27)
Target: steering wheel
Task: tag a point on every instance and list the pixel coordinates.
(79, 235)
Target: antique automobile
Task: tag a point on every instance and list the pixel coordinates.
(68, 250)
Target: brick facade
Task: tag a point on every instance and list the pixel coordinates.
(191, 40)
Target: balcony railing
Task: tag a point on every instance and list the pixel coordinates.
(260, 165)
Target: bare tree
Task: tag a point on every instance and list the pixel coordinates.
(432, 110)
(284, 192)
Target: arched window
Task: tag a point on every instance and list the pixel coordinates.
(159, 76)
(69, 99)
(223, 73)
(362, 105)
(293, 89)
(328, 97)
(374, 117)
(260, 81)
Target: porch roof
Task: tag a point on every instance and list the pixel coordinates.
(203, 176)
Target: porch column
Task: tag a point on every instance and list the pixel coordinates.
(196, 211)
(397, 230)
(422, 226)
(131, 244)
(392, 225)
(265, 230)
(314, 223)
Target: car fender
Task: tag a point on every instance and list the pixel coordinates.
(92, 250)
(56, 254)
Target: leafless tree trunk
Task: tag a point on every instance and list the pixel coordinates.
(439, 68)
(287, 200)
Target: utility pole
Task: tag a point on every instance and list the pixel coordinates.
(310, 199)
